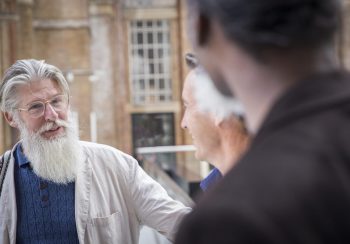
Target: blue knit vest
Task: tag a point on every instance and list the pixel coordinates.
(45, 209)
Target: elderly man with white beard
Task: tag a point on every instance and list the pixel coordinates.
(61, 190)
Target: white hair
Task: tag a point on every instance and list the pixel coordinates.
(219, 105)
(24, 72)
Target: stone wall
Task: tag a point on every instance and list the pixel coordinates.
(8, 52)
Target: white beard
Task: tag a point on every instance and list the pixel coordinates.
(54, 159)
(210, 100)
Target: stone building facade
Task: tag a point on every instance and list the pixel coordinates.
(123, 61)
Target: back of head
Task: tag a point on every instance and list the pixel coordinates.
(23, 72)
(273, 24)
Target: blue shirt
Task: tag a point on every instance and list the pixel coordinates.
(213, 177)
(45, 210)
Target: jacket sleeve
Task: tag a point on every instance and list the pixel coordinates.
(153, 205)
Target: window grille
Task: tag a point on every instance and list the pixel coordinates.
(150, 63)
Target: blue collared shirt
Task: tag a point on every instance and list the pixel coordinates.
(45, 210)
(213, 177)
(20, 158)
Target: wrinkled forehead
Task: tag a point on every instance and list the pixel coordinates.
(38, 89)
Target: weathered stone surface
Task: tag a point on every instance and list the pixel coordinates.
(149, 3)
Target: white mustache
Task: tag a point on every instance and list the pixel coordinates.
(52, 125)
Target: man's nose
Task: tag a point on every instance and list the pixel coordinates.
(49, 113)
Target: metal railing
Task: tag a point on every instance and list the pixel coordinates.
(173, 189)
(175, 168)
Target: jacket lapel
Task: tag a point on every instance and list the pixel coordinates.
(82, 196)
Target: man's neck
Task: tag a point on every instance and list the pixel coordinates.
(232, 150)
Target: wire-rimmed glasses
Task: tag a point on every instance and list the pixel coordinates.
(36, 109)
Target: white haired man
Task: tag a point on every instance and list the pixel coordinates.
(62, 190)
(219, 135)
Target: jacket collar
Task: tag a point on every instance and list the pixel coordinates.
(82, 195)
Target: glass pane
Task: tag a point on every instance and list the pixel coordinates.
(160, 53)
(160, 37)
(142, 84)
(153, 129)
(139, 38)
(160, 68)
(161, 84)
(151, 68)
(133, 38)
(150, 54)
(140, 52)
(151, 83)
(149, 37)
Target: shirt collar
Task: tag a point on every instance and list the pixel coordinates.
(213, 177)
(21, 158)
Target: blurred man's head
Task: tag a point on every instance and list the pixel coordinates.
(214, 131)
(242, 42)
(34, 98)
(201, 125)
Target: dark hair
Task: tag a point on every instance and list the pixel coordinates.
(263, 24)
(191, 60)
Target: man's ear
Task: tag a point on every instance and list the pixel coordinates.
(9, 118)
(203, 26)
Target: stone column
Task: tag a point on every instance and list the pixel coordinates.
(8, 47)
(103, 80)
(62, 38)
(25, 29)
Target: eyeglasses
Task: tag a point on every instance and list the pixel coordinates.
(36, 109)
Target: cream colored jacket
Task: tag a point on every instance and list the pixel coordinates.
(113, 197)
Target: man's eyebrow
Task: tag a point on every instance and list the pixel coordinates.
(38, 99)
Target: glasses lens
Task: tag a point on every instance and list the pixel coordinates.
(36, 109)
(59, 102)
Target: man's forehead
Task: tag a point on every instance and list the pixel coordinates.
(39, 89)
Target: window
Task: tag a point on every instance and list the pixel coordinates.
(150, 61)
(154, 129)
